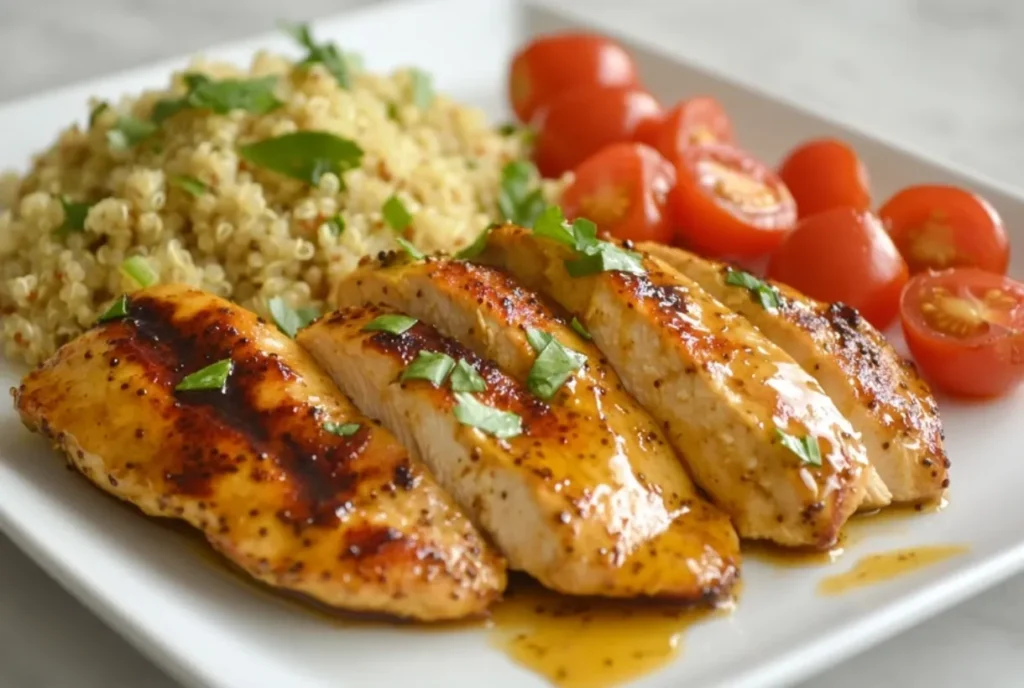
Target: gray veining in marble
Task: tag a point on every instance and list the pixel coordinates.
(940, 75)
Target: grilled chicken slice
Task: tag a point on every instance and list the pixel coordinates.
(259, 467)
(730, 400)
(874, 387)
(559, 502)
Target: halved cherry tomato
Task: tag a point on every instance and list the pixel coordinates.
(965, 327)
(695, 122)
(579, 123)
(825, 174)
(726, 203)
(938, 227)
(844, 255)
(551, 65)
(623, 189)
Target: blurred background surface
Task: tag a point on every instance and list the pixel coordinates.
(942, 76)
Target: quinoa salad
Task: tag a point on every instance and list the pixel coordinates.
(265, 185)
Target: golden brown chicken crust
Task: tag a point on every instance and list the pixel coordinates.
(348, 520)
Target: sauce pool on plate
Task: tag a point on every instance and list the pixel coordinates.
(879, 568)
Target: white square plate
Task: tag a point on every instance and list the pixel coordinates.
(207, 627)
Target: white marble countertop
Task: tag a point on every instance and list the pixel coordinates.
(940, 75)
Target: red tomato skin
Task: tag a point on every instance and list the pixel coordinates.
(978, 369)
(844, 255)
(983, 242)
(702, 117)
(578, 124)
(823, 174)
(704, 225)
(551, 65)
(645, 177)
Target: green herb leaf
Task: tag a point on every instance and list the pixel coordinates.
(422, 89)
(464, 378)
(390, 322)
(213, 376)
(765, 293)
(343, 429)
(551, 224)
(190, 185)
(166, 108)
(118, 309)
(508, 128)
(410, 249)
(580, 330)
(395, 214)
(538, 339)
(337, 225)
(553, 366)
(609, 258)
(478, 245)
(805, 447)
(304, 155)
(100, 108)
(501, 424)
(517, 201)
(392, 112)
(429, 365)
(140, 271)
(252, 95)
(74, 217)
(290, 320)
(128, 132)
(326, 54)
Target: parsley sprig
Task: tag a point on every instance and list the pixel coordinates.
(592, 254)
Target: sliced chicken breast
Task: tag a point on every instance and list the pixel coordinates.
(879, 391)
(551, 486)
(758, 434)
(271, 463)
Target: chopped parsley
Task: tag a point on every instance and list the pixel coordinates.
(410, 249)
(765, 293)
(464, 378)
(395, 213)
(520, 201)
(429, 365)
(593, 255)
(478, 245)
(212, 377)
(304, 155)
(577, 326)
(118, 309)
(221, 97)
(422, 88)
(327, 54)
(140, 271)
(337, 225)
(554, 364)
(393, 323)
(474, 413)
(290, 320)
(128, 132)
(190, 184)
(74, 217)
(100, 108)
(342, 429)
(805, 447)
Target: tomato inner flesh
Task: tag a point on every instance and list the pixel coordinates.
(967, 314)
(932, 244)
(701, 135)
(737, 188)
(606, 206)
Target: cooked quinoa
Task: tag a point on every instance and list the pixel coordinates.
(252, 234)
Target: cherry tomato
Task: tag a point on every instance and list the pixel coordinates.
(726, 203)
(844, 255)
(938, 227)
(825, 174)
(965, 327)
(551, 65)
(695, 122)
(579, 123)
(623, 189)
